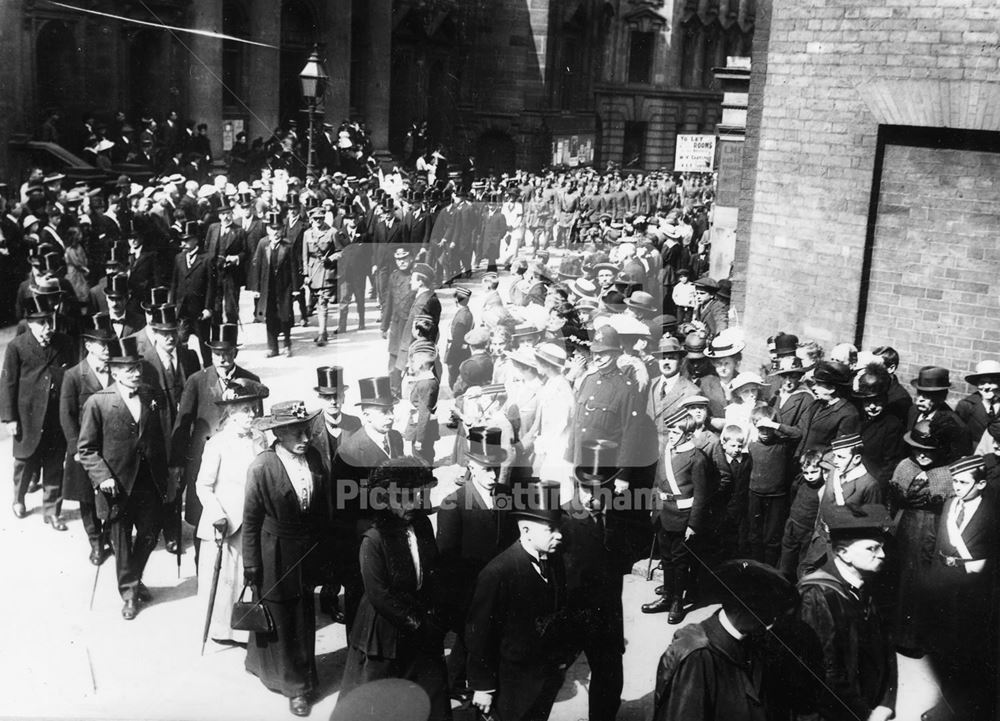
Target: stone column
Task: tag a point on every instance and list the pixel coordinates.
(205, 86)
(336, 58)
(379, 70)
(263, 69)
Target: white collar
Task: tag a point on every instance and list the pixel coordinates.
(854, 474)
(530, 551)
(730, 628)
(851, 575)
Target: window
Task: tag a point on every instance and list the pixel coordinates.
(634, 144)
(640, 56)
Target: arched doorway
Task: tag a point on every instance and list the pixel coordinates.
(299, 32)
(495, 153)
(148, 68)
(55, 59)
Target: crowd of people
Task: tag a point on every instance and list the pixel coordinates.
(601, 410)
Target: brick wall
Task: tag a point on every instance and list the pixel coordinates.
(835, 71)
(934, 291)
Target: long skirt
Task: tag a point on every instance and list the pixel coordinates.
(229, 588)
(285, 660)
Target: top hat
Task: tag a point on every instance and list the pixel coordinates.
(242, 390)
(606, 338)
(285, 413)
(118, 254)
(158, 296)
(245, 197)
(272, 219)
(984, 369)
(164, 318)
(642, 301)
(124, 351)
(375, 392)
(598, 463)
(668, 346)
(920, 436)
(785, 344)
(484, 446)
(223, 337)
(932, 378)
(97, 327)
(117, 286)
(330, 380)
(224, 205)
(38, 307)
(539, 501)
(48, 263)
(856, 522)
(191, 229)
(755, 587)
(832, 373)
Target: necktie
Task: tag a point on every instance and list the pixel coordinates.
(960, 516)
(993, 412)
(171, 370)
(543, 568)
(385, 445)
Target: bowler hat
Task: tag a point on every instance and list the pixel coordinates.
(984, 369)
(832, 373)
(795, 369)
(388, 699)
(285, 413)
(785, 344)
(158, 296)
(223, 337)
(38, 307)
(920, 436)
(375, 392)
(538, 501)
(164, 318)
(484, 446)
(668, 346)
(725, 290)
(856, 522)
(932, 378)
(97, 327)
(614, 300)
(330, 380)
(117, 286)
(598, 463)
(242, 390)
(124, 351)
(642, 302)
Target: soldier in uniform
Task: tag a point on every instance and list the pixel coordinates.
(32, 376)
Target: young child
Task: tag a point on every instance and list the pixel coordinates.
(683, 295)
(420, 389)
(804, 496)
(732, 466)
(770, 462)
(703, 437)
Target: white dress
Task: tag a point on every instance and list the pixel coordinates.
(221, 488)
(551, 430)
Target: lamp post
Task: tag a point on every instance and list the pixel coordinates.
(313, 79)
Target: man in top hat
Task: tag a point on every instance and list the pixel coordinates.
(47, 271)
(376, 441)
(145, 272)
(517, 633)
(280, 531)
(719, 668)
(858, 668)
(226, 244)
(474, 526)
(89, 376)
(199, 415)
(117, 263)
(596, 551)
(123, 448)
(193, 285)
(930, 404)
(425, 303)
(397, 299)
(982, 407)
(124, 321)
(276, 282)
(33, 367)
(457, 350)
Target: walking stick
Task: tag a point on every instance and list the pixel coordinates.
(211, 596)
(93, 591)
(180, 533)
(649, 566)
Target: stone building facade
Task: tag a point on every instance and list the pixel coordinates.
(499, 79)
(871, 186)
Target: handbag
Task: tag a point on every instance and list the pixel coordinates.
(251, 616)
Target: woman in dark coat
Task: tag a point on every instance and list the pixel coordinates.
(285, 513)
(831, 414)
(397, 632)
(276, 283)
(881, 431)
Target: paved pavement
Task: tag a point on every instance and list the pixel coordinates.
(62, 660)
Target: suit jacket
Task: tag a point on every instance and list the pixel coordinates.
(361, 453)
(279, 538)
(947, 425)
(425, 303)
(113, 445)
(193, 289)
(79, 383)
(232, 242)
(252, 237)
(658, 409)
(394, 616)
(30, 383)
(279, 280)
(397, 301)
(714, 315)
(462, 323)
(144, 273)
(155, 374)
(792, 410)
(327, 446)
(470, 535)
(973, 414)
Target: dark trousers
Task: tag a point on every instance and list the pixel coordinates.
(276, 327)
(382, 284)
(91, 523)
(230, 301)
(526, 693)
(794, 546)
(141, 512)
(604, 695)
(47, 460)
(767, 520)
(677, 562)
(349, 290)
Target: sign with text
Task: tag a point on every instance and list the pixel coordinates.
(694, 154)
(572, 150)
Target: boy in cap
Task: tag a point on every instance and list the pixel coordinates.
(858, 667)
(123, 448)
(32, 376)
(804, 507)
(770, 476)
(477, 368)
(462, 322)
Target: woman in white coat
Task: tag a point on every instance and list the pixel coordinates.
(221, 488)
(550, 433)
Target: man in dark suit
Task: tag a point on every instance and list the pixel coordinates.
(80, 382)
(144, 271)
(192, 287)
(516, 632)
(981, 408)
(397, 299)
(275, 284)
(352, 271)
(376, 440)
(474, 527)
(199, 416)
(293, 229)
(33, 368)
(226, 243)
(124, 322)
(425, 303)
(122, 446)
(457, 351)
(931, 404)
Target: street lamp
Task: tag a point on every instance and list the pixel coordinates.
(313, 79)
